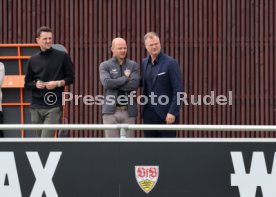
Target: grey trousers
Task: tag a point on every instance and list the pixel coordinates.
(46, 116)
(119, 117)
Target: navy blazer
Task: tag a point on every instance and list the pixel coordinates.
(167, 80)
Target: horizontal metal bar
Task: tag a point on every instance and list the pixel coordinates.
(138, 127)
(152, 140)
(205, 127)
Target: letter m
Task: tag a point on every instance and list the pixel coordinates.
(258, 176)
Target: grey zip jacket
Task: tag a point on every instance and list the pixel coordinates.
(114, 80)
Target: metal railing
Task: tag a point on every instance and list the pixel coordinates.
(125, 127)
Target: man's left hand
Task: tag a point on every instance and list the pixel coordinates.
(170, 118)
(51, 85)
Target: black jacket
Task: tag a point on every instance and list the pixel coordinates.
(50, 65)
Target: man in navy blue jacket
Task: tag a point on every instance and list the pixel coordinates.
(161, 81)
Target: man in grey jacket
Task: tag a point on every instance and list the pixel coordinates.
(119, 77)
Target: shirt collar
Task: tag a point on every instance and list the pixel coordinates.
(157, 60)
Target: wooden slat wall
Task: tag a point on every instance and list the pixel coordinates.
(221, 45)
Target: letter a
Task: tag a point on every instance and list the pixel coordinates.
(8, 170)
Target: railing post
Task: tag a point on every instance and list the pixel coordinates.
(123, 131)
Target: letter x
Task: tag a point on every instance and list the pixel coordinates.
(44, 175)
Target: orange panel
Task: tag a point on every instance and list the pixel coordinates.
(14, 81)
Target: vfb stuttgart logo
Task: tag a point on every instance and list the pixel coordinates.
(147, 177)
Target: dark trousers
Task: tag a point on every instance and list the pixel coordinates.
(46, 116)
(151, 117)
(1, 122)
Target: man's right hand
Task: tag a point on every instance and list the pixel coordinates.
(40, 85)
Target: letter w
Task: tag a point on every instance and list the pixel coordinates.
(258, 176)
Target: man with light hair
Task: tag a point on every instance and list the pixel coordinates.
(119, 77)
(161, 77)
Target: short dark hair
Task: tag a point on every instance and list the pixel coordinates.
(43, 29)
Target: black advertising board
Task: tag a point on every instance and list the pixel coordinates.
(124, 168)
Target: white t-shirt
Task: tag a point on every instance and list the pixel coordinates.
(2, 75)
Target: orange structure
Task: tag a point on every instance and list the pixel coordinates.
(16, 80)
(20, 53)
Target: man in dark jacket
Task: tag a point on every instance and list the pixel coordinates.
(49, 71)
(161, 81)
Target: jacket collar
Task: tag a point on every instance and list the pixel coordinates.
(47, 51)
(114, 59)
